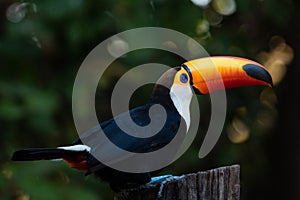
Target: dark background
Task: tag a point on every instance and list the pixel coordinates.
(43, 43)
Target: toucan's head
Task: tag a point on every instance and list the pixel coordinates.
(206, 75)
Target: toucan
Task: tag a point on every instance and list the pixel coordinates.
(173, 91)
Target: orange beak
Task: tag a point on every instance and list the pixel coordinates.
(222, 72)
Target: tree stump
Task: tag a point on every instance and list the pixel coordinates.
(218, 184)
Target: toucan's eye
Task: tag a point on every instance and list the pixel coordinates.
(183, 78)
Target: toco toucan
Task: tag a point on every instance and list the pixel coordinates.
(173, 91)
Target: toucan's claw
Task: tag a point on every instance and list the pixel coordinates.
(159, 179)
(162, 180)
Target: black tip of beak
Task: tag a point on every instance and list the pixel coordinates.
(259, 73)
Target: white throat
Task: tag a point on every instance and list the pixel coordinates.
(181, 97)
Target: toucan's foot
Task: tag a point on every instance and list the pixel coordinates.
(161, 180)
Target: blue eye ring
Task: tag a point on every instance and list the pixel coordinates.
(184, 78)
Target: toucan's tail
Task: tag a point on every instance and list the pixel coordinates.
(75, 156)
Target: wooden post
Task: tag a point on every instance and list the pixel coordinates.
(217, 184)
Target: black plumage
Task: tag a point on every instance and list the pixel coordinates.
(140, 115)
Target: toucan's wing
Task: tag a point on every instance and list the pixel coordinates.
(122, 140)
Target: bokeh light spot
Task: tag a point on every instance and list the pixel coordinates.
(202, 27)
(117, 47)
(276, 61)
(212, 16)
(201, 3)
(238, 131)
(268, 97)
(224, 7)
(16, 12)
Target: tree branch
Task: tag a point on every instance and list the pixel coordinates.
(220, 183)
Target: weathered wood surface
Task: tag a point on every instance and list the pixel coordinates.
(218, 184)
